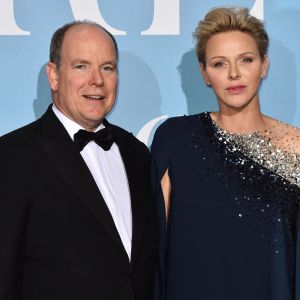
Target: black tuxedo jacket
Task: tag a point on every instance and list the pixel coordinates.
(57, 237)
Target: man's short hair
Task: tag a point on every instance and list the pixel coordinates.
(58, 38)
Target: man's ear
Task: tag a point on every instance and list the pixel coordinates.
(52, 74)
(204, 74)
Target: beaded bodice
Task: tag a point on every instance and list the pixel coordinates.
(273, 148)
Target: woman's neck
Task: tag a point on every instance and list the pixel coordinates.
(240, 121)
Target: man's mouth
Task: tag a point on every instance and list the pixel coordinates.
(93, 97)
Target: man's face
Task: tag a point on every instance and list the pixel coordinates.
(84, 86)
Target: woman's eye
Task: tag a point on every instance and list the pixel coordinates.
(247, 59)
(218, 64)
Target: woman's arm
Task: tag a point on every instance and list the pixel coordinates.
(166, 189)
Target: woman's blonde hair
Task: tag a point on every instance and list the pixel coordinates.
(224, 19)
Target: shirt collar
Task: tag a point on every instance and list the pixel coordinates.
(71, 126)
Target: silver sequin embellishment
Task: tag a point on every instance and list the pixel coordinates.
(260, 148)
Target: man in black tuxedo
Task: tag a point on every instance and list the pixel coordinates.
(76, 213)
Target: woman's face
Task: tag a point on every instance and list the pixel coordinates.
(234, 69)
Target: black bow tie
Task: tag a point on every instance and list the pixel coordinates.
(103, 137)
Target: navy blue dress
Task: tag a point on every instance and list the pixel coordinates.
(232, 228)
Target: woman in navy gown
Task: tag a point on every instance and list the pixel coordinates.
(227, 182)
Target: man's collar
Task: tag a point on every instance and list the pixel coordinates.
(71, 126)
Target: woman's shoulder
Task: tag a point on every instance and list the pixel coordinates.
(165, 133)
(172, 132)
(171, 124)
(174, 125)
(284, 136)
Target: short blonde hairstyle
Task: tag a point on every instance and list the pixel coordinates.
(224, 19)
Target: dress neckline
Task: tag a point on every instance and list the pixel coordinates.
(263, 133)
(259, 147)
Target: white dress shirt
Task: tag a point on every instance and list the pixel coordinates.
(109, 173)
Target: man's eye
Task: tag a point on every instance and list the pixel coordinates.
(108, 68)
(80, 67)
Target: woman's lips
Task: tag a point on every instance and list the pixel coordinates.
(236, 89)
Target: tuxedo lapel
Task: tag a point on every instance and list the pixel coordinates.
(130, 163)
(59, 147)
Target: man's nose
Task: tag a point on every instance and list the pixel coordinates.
(96, 78)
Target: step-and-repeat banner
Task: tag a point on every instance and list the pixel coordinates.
(159, 73)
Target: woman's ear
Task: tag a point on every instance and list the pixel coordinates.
(265, 67)
(204, 74)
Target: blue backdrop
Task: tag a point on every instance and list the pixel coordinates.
(159, 73)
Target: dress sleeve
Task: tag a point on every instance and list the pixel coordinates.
(160, 162)
(12, 216)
